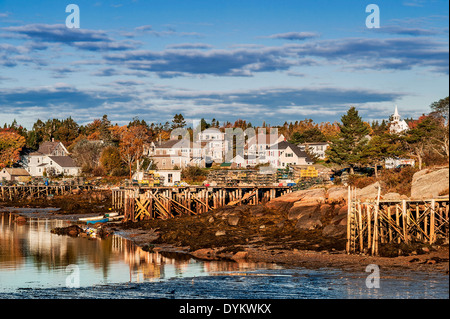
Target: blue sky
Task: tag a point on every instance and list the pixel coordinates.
(272, 61)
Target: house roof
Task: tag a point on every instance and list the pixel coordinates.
(48, 147)
(183, 143)
(17, 172)
(263, 139)
(314, 143)
(64, 161)
(285, 145)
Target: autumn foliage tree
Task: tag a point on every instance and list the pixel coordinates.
(11, 144)
(132, 143)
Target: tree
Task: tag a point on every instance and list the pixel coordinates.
(105, 133)
(381, 147)
(441, 137)
(350, 145)
(178, 121)
(11, 144)
(312, 135)
(111, 161)
(421, 137)
(132, 143)
(87, 154)
(67, 132)
(441, 107)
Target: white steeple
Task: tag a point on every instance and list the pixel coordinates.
(396, 116)
(397, 125)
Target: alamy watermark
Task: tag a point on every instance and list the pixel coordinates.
(373, 280)
(373, 19)
(73, 19)
(73, 279)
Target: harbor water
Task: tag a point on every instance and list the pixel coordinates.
(34, 263)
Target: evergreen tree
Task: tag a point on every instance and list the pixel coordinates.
(178, 121)
(350, 146)
(105, 133)
(381, 147)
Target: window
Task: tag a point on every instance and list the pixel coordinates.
(170, 178)
(289, 155)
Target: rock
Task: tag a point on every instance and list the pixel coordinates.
(285, 202)
(298, 211)
(425, 250)
(427, 185)
(336, 194)
(334, 231)
(233, 221)
(220, 233)
(257, 211)
(279, 206)
(325, 210)
(20, 219)
(308, 222)
(368, 192)
(205, 253)
(240, 255)
(339, 219)
(73, 230)
(392, 196)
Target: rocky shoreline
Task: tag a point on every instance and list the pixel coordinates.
(304, 228)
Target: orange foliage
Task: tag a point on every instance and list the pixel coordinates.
(11, 144)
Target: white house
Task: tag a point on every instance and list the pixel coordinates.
(258, 144)
(14, 174)
(51, 158)
(317, 148)
(287, 154)
(213, 143)
(180, 153)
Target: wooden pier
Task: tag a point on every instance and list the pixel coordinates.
(374, 223)
(168, 202)
(12, 193)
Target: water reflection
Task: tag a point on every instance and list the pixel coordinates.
(32, 257)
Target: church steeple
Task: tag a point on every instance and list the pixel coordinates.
(396, 116)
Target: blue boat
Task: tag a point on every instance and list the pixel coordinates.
(104, 220)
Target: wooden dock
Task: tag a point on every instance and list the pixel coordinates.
(12, 193)
(168, 202)
(374, 223)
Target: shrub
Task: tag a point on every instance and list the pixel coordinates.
(398, 180)
(360, 181)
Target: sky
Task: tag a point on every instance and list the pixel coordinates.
(262, 61)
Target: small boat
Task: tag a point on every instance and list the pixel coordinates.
(104, 220)
(85, 219)
(116, 217)
(111, 214)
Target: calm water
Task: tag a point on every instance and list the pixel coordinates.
(37, 264)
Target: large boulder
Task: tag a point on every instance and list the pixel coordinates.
(308, 222)
(428, 184)
(334, 231)
(368, 192)
(313, 196)
(298, 211)
(336, 194)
